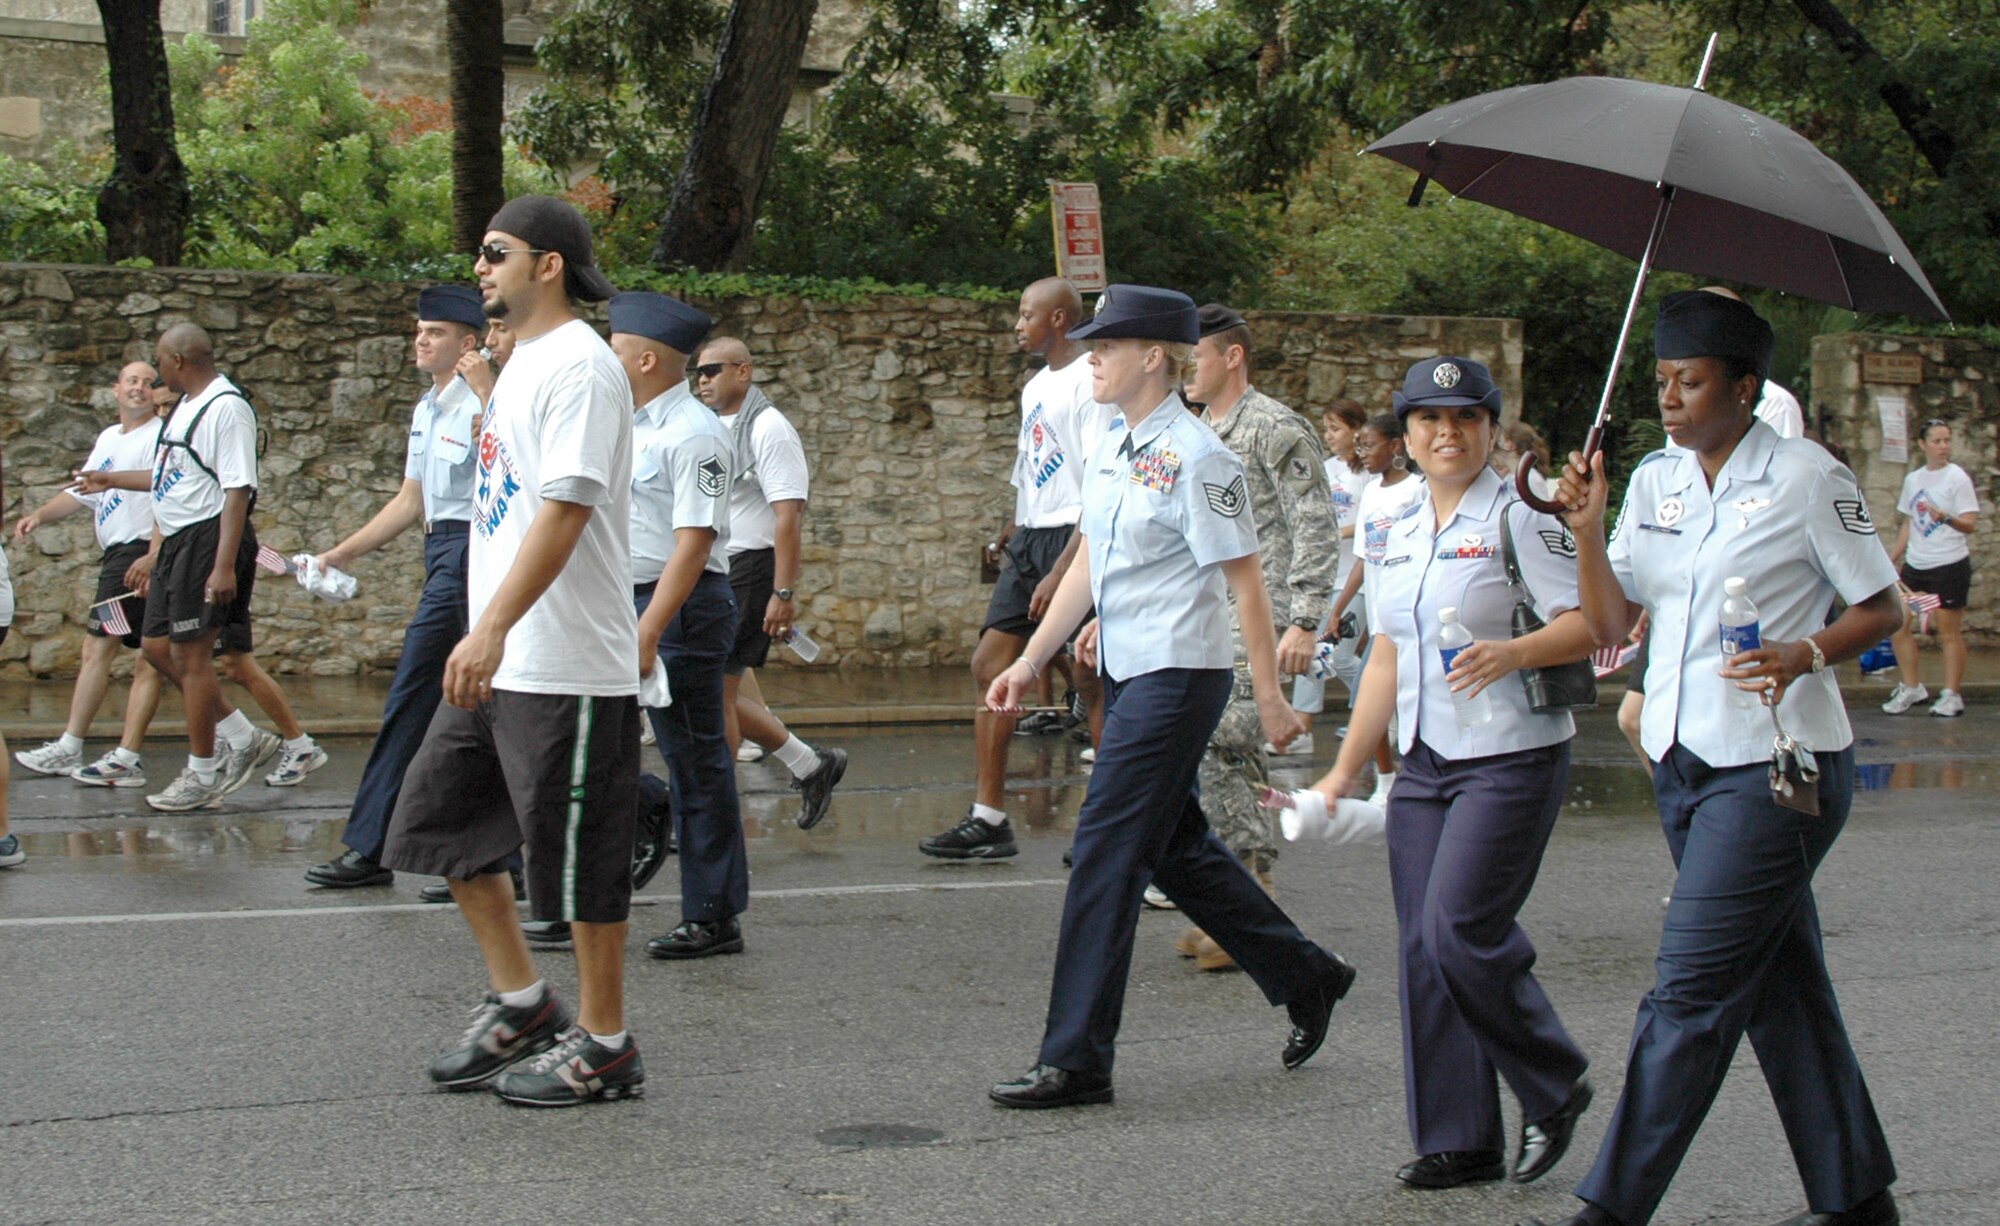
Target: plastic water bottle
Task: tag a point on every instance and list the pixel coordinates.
(1321, 666)
(1740, 633)
(802, 645)
(1452, 639)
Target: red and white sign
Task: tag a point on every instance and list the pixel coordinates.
(1079, 230)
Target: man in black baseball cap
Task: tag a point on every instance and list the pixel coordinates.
(546, 226)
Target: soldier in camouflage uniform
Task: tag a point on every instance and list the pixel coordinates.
(1298, 540)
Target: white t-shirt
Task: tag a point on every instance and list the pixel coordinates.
(1933, 543)
(1060, 427)
(561, 417)
(6, 593)
(1346, 485)
(184, 491)
(1379, 506)
(773, 471)
(121, 516)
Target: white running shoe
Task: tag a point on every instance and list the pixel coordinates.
(50, 759)
(1904, 697)
(1089, 755)
(239, 764)
(109, 772)
(749, 751)
(187, 792)
(1948, 703)
(1301, 747)
(646, 736)
(295, 764)
(1156, 899)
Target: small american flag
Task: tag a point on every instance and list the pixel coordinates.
(273, 561)
(1608, 660)
(1922, 605)
(113, 621)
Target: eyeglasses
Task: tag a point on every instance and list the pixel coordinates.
(494, 253)
(708, 370)
(1935, 421)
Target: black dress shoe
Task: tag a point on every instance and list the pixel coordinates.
(1877, 1210)
(549, 934)
(655, 841)
(1313, 1012)
(1455, 1167)
(699, 939)
(816, 789)
(440, 891)
(1544, 1142)
(1045, 1085)
(350, 870)
(1589, 1215)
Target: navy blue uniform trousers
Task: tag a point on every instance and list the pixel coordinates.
(1741, 953)
(1142, 822)
(1465, 843)
(416, 689)
(701, 777)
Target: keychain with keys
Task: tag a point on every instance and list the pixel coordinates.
(1794, 770)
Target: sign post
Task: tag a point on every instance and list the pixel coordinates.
(1079, 232)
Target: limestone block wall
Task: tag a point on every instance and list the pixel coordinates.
(1958, 386)
(908, 408)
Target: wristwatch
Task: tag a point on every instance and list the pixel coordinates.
(1819, 657)
(1306, 623)
(784, 594)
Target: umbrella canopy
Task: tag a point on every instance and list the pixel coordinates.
(1752, 201)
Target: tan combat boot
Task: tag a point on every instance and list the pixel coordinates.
(1207, 955)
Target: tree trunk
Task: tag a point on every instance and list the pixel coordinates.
(474, 36)
(145, 204)
(712, 215)
(1910, 110)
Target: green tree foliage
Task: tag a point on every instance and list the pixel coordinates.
(50, 213)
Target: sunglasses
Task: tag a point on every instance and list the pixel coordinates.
(494, 253)
(708, 370)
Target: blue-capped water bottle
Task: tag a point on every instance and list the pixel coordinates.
(1453, 638)
(1740, 633)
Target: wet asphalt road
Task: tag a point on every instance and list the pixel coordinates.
(188, 1033)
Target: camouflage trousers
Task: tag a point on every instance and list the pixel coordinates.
(1234, 775)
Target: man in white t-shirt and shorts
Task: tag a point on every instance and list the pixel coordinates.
(123, 522)
(1060, 426)
(767, 506)
(537, 746)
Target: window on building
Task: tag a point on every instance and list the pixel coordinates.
(218, 17)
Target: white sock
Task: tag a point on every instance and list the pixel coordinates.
(235, 728)
(988, 814)
(205, 769)
(302, 743)
(124, 756)
(73, 744)
(526, 996)
(797, 757)
(616, 1042)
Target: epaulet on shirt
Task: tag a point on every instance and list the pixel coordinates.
(1648, 458)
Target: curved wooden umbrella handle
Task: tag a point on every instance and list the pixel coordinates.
(1525, 490)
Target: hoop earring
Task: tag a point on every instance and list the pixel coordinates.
(1399, 463)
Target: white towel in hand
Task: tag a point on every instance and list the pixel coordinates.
(326, 582)
(653, 688)
(1303, 815)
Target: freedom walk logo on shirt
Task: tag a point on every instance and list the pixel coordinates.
(497, 485)
(1039, 444)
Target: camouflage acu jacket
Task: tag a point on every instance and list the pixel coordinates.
(1296, 534)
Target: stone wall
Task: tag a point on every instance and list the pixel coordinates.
(908, 409)
(1959, 378)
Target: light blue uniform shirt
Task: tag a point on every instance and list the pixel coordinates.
(1427, 566)
(681, 465)
(441, 456)
(1789, 519)
(1163, 507)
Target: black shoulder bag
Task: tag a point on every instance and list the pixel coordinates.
(1552, 687)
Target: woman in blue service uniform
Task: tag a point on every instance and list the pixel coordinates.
(1740, 951)
(1473, 807)
(1166, 521)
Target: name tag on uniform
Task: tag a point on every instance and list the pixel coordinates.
(1396, 561)
(1659, 528)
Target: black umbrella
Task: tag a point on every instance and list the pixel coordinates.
(1676, 179)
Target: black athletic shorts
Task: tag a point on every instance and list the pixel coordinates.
(1029, 557)
(177, 604)
(555, 776)
(1635, 677)
(752, 577)
(1950, 582)
(111, 582)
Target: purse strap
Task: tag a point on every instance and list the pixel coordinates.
(1507, 557)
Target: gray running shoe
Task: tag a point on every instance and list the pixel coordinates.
(577, 1070)
(109, 772)
(188, 792)
(244, 762)
(10, 851)
(50, 759)
(295, 764)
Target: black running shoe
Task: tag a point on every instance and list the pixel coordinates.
(816, 789)
(577, 1070)
(1039, 723)
(972, 839)
(498, 1036)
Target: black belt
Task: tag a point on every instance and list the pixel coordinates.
(447, 526)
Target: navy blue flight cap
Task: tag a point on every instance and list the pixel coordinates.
(1447, 382)
(452, 304)
(1142, 313)
(1695, 323)
(658, 317)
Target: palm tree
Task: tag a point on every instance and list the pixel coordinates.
(144, 206)
(474, 37)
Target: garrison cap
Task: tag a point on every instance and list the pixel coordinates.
(451, 304)
(658, 317)
(1447, 382)
(1141, 312)
(1218, 318)
(1697, 324)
